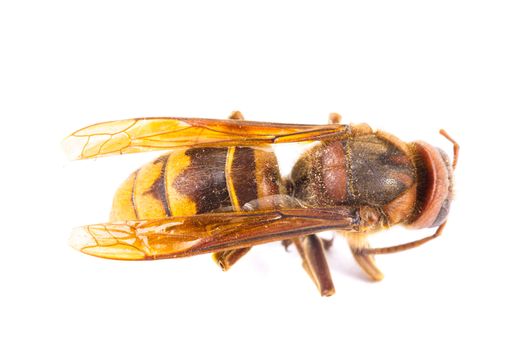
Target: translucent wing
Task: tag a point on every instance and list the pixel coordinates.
(204, 233)
(149, 134)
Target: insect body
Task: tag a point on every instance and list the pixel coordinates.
(219, 190)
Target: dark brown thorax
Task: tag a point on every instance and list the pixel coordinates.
(369, 169)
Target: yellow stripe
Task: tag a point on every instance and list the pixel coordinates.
(180, 205)
(229, 179)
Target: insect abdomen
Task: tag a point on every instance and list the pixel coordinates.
(197, 180)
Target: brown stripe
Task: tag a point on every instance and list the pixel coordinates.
(243, 175)
(204, 180)
(334, 171)
(158, 188)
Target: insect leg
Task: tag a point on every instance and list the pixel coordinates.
(327, 243)
(286, 243)
(236, 115)
(227, 258)
(364, 255)
(358, 245)
(314, 262)
(405, 246)
(334, 118)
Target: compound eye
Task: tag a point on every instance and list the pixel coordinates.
(443, 213)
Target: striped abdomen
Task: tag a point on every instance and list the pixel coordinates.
(197, 180)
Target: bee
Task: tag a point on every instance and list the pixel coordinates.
(219, 190)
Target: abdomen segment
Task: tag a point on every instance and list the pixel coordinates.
(198, 180)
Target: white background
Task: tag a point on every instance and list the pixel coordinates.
(408, 67)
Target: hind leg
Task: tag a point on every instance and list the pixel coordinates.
(314, 262)
(327, 243)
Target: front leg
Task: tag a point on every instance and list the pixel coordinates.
(364, 255)
(358, 244)
(404, 246)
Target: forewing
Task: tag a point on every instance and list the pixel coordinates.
(175, 237)
(150, 134)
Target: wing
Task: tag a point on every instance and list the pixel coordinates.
(175, 237)
(149, 134)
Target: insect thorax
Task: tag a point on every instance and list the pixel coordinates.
(365, 170)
